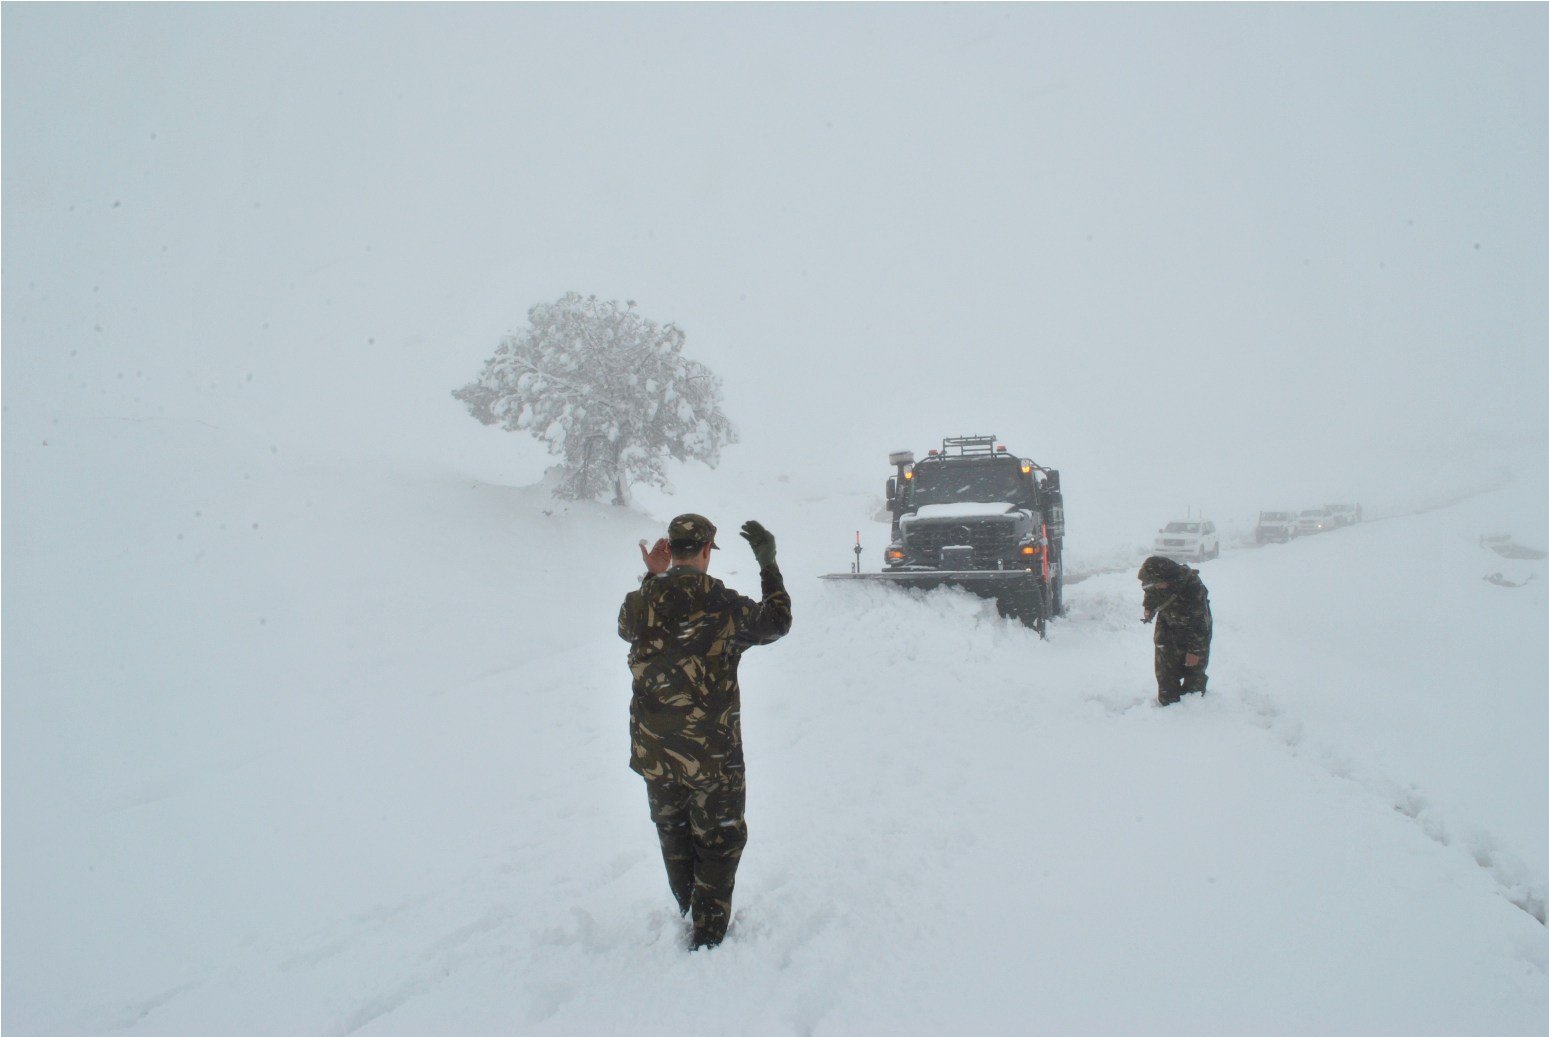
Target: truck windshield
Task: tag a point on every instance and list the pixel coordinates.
(958, 482)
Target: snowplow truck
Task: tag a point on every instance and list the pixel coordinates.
(973, 515)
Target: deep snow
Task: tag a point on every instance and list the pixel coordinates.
(298, 748)
(314, 716)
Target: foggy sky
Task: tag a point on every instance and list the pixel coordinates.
(1159, 245)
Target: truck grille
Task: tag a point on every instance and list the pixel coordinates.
(991, 540)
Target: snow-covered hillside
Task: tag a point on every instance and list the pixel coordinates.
(298, 748)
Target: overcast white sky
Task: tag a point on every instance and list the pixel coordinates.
(1197, 244)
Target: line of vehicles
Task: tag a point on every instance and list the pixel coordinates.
(974, 515)
(1278, 527)
(1197, 540)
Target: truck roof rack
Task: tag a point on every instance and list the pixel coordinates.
(969, 444)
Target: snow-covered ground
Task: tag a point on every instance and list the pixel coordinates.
(314, 716)
(295, 747)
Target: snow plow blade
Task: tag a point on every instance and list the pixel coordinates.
(940, 577)
(1018, 593)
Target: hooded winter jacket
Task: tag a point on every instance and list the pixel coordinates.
(1182, 608)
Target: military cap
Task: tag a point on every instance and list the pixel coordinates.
(1158, 569)
(690, 528)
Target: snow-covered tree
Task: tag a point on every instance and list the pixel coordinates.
(607, 391)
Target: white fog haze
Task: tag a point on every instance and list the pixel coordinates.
(314, 709)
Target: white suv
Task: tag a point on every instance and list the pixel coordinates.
(1314, 520)
(1344, 514)
(1193, 539)
(1275, 526)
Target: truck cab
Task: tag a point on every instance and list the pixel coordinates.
(972, 510)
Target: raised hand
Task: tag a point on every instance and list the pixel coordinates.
(761, 541)
(658, 558)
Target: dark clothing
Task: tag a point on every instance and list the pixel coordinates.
(702, 833)
(1183, 626)
(687, 632)
(1173, 678)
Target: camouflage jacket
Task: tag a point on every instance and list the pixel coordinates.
(687, 631)
(1182, 612)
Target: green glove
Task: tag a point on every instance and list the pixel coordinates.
(761, 541)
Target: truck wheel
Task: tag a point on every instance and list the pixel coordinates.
(1032, 606)
(1007, 606)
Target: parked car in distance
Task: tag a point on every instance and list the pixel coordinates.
(1344, 514)
(1314, 520)
(1192, 539)
(1275, 527)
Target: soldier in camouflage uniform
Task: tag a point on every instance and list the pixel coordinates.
(687, 631)
(1180, 604)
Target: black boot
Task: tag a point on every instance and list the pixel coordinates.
(712, 900)
(680, 876)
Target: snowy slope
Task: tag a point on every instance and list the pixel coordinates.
(333, 750)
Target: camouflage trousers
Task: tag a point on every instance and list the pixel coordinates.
(702, 833)
(1173, 678)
